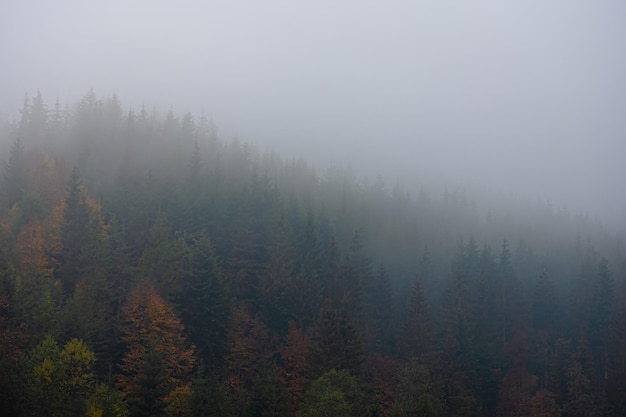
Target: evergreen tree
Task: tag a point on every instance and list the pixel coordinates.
(205, 299)
(616, 372)
(15, 175)
(599, 325)
(417, 337)
(545, 306)
(75, 234)
(383, 314)
(416, 393)
(335, 344)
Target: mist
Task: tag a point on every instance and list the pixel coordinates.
(524, 98)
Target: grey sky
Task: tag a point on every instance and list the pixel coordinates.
(522, 95)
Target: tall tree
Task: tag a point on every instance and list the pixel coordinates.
(294, 364)
(205, 299)
(616, 373)
(59, 380)
(417, 337)
(335, 344)
(15, 175)
(75, 233)
(417, 394)
(158, 359)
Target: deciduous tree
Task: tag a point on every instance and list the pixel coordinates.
(158, 359)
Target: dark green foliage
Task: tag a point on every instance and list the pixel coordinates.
(355, 286)
(557, 377)
(616, 373)
(335, 344)
(417, 336)
(241, 244)
(14, 178)
(204, 299)
(76, 236)
(545, 313)
(383, 333)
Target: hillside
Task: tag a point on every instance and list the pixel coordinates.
(150, 267)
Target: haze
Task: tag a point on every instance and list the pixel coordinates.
(526, 97)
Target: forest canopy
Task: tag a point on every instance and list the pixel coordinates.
(150, 267)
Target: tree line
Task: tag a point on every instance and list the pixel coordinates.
(149, 267)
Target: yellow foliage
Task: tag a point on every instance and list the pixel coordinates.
(106, 401)
(179, 401)
(93, 411)
(77, 362)
(45, 371)
(31, 244)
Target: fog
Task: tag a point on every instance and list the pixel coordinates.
(527, 98)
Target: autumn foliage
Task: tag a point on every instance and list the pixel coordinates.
(137, 235)
(158, 358)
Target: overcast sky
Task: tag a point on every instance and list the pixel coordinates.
(528, 96)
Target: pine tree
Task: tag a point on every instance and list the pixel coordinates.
(417, 338)
(599, 325)
(545, 306)
(204, 299)
(383, 314)
(417, 394)
(355, 281)
(335, 344)
(15, 178)
(75, 233)
(616, 373)
(557, 377)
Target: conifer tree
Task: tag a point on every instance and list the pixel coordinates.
(616, 373)
(15, 175)
(75, 233)
(205, 299)
(294, 364)
(417, 393)
(158, 359)
(335, 344)
(383, 314)
(417, 338)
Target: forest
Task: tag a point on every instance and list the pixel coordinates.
(150, 267)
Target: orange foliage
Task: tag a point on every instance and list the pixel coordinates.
(383, 372)
(96, 219)
(516, 392)
(151, 326)
(294, 364)
(249, 342)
